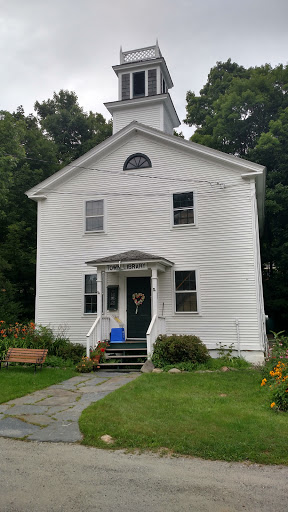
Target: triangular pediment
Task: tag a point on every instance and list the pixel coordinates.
(110, 144)
(245, 168)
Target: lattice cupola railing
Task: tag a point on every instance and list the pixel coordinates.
(148, 53)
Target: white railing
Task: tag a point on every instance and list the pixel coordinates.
(150, 52)
(157, 326)
(161, 325)
(100, 331)
(92, 336)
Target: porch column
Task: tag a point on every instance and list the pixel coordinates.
(99, 302)
(154, 291)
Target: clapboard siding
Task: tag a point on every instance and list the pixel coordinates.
(148, 115)
(221, 247)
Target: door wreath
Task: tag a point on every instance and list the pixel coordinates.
(138, 299)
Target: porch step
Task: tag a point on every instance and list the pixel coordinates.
(124, 358)
(107, 365)
(128, 345)
(116, 349)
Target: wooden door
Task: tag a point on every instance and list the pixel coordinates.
(138, 316)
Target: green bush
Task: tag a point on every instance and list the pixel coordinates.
(86, 365)
(275, 372)
(58, 362)
(179, 349)
(73, 351)
(31, 336)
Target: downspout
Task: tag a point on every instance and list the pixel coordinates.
(238, 337)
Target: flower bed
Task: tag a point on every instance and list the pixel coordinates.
(276, 373)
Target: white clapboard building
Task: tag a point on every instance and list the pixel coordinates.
(150, 232)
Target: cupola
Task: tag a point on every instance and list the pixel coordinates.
(144, 81)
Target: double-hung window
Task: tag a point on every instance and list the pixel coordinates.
(90, 294)
(183, 209)
(94, 215)
(185, 291)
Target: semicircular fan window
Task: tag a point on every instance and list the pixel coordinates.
(137, 161)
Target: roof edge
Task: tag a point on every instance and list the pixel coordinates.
(135, 126)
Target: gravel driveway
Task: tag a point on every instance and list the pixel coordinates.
(54, 477)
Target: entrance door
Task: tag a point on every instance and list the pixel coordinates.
(138, 306)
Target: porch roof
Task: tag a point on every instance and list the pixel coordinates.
(130, 257)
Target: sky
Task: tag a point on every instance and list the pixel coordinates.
(72, 44)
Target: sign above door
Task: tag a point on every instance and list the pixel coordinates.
(126, 266)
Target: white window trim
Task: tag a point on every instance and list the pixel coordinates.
(146, 81)
(183, 226)
(104, 230)
(197, 291)
(87, 273)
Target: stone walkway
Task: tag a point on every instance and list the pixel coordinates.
(52, 414)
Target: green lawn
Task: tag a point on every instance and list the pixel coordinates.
(223, 416)
(19, 381)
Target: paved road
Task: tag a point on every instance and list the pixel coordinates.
(51, 477)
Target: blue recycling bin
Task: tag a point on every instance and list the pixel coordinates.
(117, 335)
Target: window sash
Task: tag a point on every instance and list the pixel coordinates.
(90, 294)
(186, 291)
(94, 215)
(183, 208)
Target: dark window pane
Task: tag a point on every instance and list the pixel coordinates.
(185, 280)
(94, 224)
(186, 301)
(139, 84)
(91, 284)
(183, 217)
(90, 303)
(184, 200)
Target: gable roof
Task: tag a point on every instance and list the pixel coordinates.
(249, 169)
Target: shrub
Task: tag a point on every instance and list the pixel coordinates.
(62, 347)
(178, 349)
(278, 385)
(86, 365)
(58, 362)
(31, 336)
(275, 372)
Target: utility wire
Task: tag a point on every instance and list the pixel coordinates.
(130, 174)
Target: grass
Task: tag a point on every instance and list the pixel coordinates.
(224, 416)
(19, 381)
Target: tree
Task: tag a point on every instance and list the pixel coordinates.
(26, 158)
(245, 112)
(31, 149)
(73, 131)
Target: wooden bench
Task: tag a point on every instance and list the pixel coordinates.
(25, 355)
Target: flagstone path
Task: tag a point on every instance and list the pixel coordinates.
(52, 414)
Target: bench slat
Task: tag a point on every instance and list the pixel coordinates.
(25, 355)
